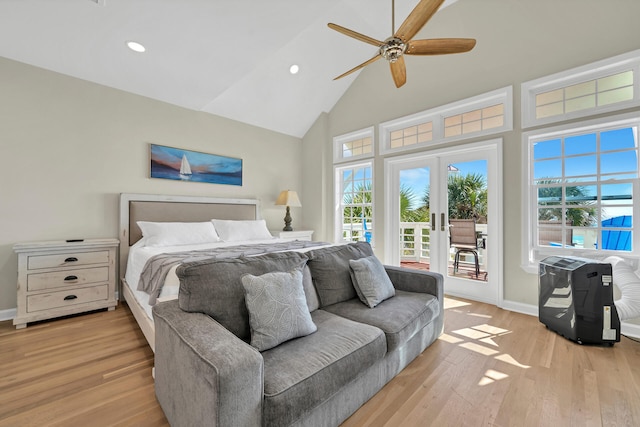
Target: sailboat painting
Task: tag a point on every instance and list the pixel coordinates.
(194, 166)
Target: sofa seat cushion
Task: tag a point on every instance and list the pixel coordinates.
(400, 317)
(302, 373)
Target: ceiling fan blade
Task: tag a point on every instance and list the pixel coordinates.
(364, 64)
(417, 19)
(355, 35)
(399, 71)
(439, 46)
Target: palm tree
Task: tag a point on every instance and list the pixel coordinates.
(575, 195)
(467, 197)
(407, 214)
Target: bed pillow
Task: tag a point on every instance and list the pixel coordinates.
(241, 230)
(371, 280)
(177, 233)
(277, 306)
(331, 273)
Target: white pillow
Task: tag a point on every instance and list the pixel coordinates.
(177, 233)
(237, 230)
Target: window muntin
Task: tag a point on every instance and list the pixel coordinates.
(354, 216)
(584, 182)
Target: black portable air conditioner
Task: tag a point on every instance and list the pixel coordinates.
(576, 299)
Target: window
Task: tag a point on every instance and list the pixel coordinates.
(605, 86)
(354, 145)
(486, 114)
(582, 183)
(474, 121)
(354, 202)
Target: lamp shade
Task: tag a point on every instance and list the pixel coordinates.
(288, 198)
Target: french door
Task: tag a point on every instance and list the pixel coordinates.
(428, 193)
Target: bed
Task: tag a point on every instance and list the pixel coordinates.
(178, 209)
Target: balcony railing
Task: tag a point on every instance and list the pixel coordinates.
(415, 241)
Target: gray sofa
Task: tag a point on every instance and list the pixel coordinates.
(207, 373)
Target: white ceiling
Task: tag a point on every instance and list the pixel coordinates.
(225, 57)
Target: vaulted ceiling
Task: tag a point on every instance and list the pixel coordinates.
(225, 57)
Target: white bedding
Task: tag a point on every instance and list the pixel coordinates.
(139, 255)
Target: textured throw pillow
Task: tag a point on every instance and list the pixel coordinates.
(371, 280)
(277, 308)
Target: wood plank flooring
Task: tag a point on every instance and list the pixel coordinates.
(492, 367)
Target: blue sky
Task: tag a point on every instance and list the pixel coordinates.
(418, 179)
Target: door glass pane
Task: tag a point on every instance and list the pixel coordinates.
(415, 218)
(467, 200)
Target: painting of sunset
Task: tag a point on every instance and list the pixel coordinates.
(185, 165)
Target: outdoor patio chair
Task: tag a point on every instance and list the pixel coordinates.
(463, 238)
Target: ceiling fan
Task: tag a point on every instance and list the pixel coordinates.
(400, 43)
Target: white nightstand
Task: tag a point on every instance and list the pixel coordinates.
(59, 278)
(294, 235)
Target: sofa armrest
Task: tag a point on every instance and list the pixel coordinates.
(406, 279)
(205, 375)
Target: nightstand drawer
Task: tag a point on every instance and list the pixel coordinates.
(67, 298)
(58, 279)
(67, 259)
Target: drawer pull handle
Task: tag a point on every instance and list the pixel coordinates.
(70, 278)
(71, 259)
(70, 297)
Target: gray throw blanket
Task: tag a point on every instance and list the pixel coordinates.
(157, 267)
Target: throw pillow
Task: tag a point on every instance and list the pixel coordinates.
(330, 270)
(277, 308)
(371, 280)
(214, 286)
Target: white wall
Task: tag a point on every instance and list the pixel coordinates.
(68, 148)
(517, 40)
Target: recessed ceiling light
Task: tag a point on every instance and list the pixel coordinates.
(136, 47)
(294, 69)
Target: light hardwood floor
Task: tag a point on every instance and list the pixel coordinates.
(491, 368)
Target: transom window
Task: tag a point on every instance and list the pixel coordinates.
(482, 115)
(609, 85)
(354, 145)
(412, 135)
(474, 121)
(587, 95)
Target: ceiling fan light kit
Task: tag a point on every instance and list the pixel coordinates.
(399, 44)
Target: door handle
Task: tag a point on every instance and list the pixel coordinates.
(442, 222)
(433, 222)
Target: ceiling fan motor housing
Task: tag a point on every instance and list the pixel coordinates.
(392, 49)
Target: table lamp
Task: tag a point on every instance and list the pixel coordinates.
(288, 198)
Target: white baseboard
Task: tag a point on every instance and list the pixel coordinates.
(8, 314)
(630, 329)
(518, 307)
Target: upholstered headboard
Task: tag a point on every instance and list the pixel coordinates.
(163, 208)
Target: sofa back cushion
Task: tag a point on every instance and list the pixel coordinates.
(330, 271)
(214, 286)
